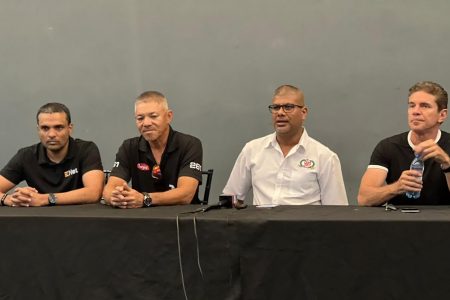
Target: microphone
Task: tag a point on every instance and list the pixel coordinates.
(226, 201)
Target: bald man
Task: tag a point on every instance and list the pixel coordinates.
(288, 167)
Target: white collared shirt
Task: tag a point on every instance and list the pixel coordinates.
(309, 174)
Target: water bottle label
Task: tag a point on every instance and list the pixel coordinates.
(416, 165)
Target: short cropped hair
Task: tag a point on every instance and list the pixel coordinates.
(289, 89)
(153, 96)
(286, 89)
(54, 107)
(434, 89)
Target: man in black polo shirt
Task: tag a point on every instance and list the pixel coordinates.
(58, 170)
(389, 177)
(164, 165)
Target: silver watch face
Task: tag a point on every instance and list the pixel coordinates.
(147, 200)
(52, 199)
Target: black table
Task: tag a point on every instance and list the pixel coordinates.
(288, 252)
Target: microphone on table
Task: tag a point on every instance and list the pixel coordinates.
(226, 201)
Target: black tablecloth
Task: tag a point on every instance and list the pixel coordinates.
(286, 252)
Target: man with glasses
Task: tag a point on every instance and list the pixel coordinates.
(288, 167)
(388, 176)
(164, 165)
(59, 170)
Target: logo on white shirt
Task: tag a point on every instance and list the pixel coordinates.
(307, 163)
(70, 172)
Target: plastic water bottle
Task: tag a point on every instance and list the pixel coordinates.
(416, 165)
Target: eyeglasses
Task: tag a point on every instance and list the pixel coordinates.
(273, 108)
(156, 172)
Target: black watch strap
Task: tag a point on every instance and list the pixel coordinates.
(3, 199)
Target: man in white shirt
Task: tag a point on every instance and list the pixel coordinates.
(288, 167)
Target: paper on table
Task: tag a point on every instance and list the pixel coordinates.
(266, 205)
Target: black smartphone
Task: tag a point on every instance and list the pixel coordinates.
(410, 210)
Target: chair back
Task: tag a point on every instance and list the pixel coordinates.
(209, 174)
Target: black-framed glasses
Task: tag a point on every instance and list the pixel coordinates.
(273, 108)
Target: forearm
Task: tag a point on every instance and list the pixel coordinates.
(375, 196)
(80, 196)
(89, 193)
(173, 197)
(83, 195)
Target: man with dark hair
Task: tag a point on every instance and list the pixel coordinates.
(164, 165)
(388, 176)
(58, 170)
(288, 167)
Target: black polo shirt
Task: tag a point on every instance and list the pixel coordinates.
(32, 165)
(182, 157)
(395, 154)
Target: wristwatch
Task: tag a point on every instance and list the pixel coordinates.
(52, 199)
(3, 199)
(147, 200)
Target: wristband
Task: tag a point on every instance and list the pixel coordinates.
(3, 199)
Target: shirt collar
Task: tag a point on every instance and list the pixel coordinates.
(171, 146)
(438, 137)
(304, 140)
(43, 158)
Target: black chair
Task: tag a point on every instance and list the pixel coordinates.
(209, 175)
(106, 172)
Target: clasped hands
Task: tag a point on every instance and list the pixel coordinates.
(25, 197)
(125, 197)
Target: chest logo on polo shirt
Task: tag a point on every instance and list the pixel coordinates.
(70, 172)
(143, 167)
(307, 163)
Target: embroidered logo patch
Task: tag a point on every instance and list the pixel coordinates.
(143, 167)
(70, 172)
(307, 163)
